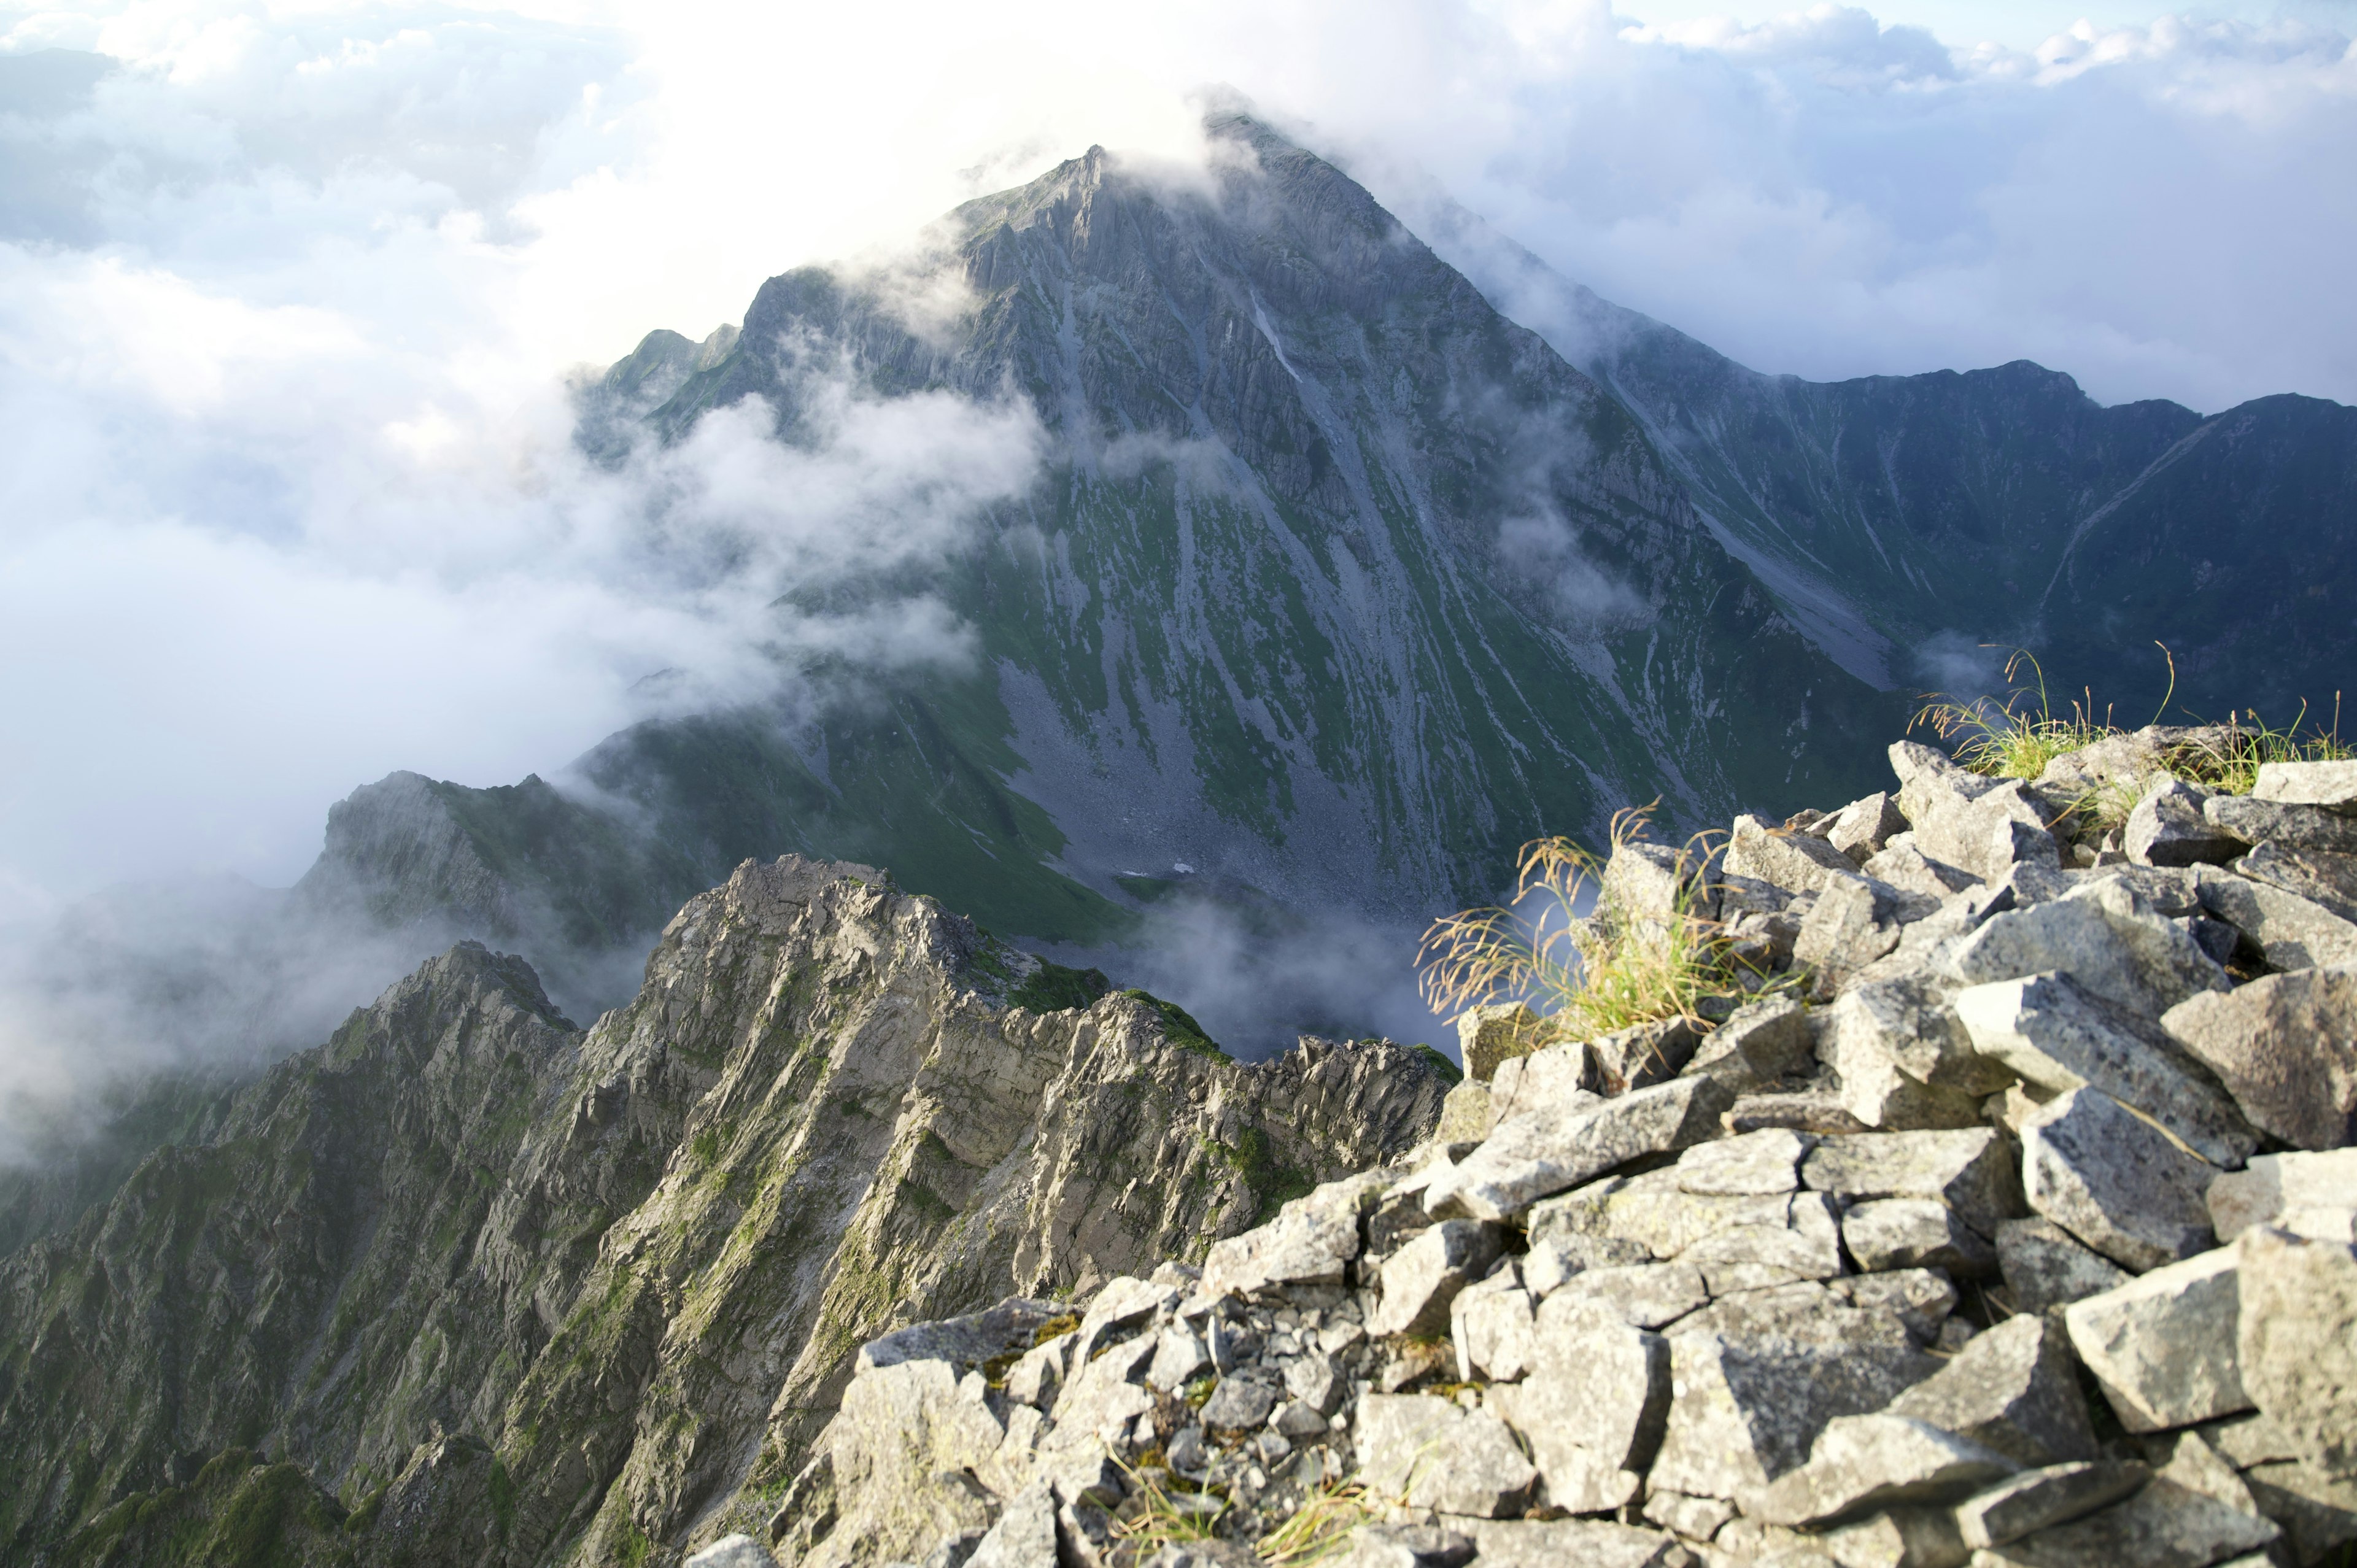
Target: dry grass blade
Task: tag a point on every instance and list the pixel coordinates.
(1319, 1526)
(1162, 1518)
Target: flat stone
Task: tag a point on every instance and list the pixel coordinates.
(1495, 1330)
(1024, 1535)
(1404, 1546)
(1583, 1542)
(1654, 884)
(1311, 1241)
(1697, 1518)
(1642, 1055)
(1911, 1019)
(1864, 1462)
(2330, 785)
(1180, 1354)
(1598, 1383)
(1760, 1042)
(1760, 1164)
(1492, 1034)
(1917, 1300)
(2285, 1047)
(1747, 1410)
(1810, 1112)
(1039, 1373)
(1422, 1278)
(1648, 1295)
(744, 1552)
(963, 1342)
(2104, 937)
(2167, 827)
(1903, 1537)
(2036, 1500)
(1464, 1113)
(2059, 1036)
(2291, 933)
(2271, 821)
(1853, 923)
(1972, 1171)
(1556, 1257)
(1312, 1379)
(1558, 1079)
(1437, 1454)
(1795, 862)
(1297, 1419)
(2013, 1388)
(2045, 1266)
(2295, 1342)
(2273, 1186)
(2318, 876)
(2163, 1346)
(2318, 1512)
(1862, 828)
(1239, 1403)
(1876, 1092)
(2115, 1181)
(1534, 1154)
(2186, 1460)
(2161, 1525)
(1904, 865)
(1912, 1233)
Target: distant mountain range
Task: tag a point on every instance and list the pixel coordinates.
(1353, 569)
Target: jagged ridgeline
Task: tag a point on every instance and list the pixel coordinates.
(1336, 584)
(469, 1285)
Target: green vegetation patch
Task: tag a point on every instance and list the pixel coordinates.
(1055, 988)
(1182, 1029)
(1438, 1062)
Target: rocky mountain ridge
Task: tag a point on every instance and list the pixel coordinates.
(2011, 1222)
(486, 1287)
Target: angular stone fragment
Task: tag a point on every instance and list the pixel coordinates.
(1039, 1372)
(2015, 1389)
(2271, 821)
(2116, 1182)
(2059, 1036)
(1746, 1410)
(1794, 862)
(1179, 1354)
(1641, 1054)
(2272, 1185)
(1863, 827)
(1558, 1079)
(2163, 1346)
(1313, 1379)
(1116, 1310)
(1760, 1042)
(1876, 1092)
(2318, 876)
(2104, 937)
(1533, 1154)
(1972, 1171)
(744, 1552)
(1647, 1295)
(1489, 1035)
(2330, 785)
(2295, 1342)
(1864, 1462)
(963, 1342)
(1495, 1330)
(2045, 1266)
(2291, 933)
(1913, 1020)
(1697, 1518)
(2285, 1048)
(1436, 1455)
(2167, 828)
(1852, 924)
(1309, 1242)
(1918, 1299)
(2185, 1458)
(1599, 1384)
(1914, 1233)
(1908, 868)
(1576, 1543)
(1756, 1164)
(1654, 884)
(2035, 1500)
(1908, 1536)
(1464, 1114)
(1422, 1278)
(1239, 1403)
(2162, 1525)
(2318, 1512)
(1811, 1111)
(1024, 1535)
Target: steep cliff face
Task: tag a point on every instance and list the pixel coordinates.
(585, 1297)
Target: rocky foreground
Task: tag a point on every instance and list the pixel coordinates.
(2010, 1223)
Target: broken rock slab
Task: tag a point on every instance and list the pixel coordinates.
(1489, 1035)
(2060, 1036)
(744, 1552)
(2285, 1047)
(1423, 1277)
(2163, 1346)
(1534, 1154)
(2115, 1181)
(2013, 1388)
(2168, 827)
(2271, 821)
(2035, 1500)
(2295, 1342)
(2045, 1266)
(1972, 1171)
(2273, 1186)
(1861, 828)
(1911, 1234)
(1437, 1454)
(2291, 933)
(1865, 1461)
(2104, 936)
(1583, 1542)
(1760, 1042)
(2329, 785)
(2162, 1525)
(1310, 1242)
(2318, 876)
(1795, 862)
(1760, 1164)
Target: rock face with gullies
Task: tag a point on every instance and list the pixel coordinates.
(2070, 1300)
(512, 1293)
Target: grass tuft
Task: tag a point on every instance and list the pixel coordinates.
(1319, 1527)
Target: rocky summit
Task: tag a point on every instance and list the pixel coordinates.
(2007, 1220)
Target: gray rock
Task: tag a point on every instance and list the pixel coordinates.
(1803, 1111)
(2003, 826)
(1651, 884)
(2291, 933)
(2060, 1037)
(2163, 1346)
(2318, 1512)
(1914, 1233)
(1495, 1332)
(1464, 1114)
(2285, 1048)
(1298, 1419)
(2318, 876)
(1024, 1535)
(1904, 866)
(1864, 1462)
(1534, 1153)
(2036, 1500)
(2273, 1186)
(1746, 1409)
(1313, 1379)
(2186, 1460)
(1862, 828)
(1239, 1403)
(2104, 937)
(2295, 1342)
(1795, 862)
(2330, 785)
(1592, 1410)
(1489, 1035)
(1648, 1295)
(1583, 1542)
(2167, 828)
(1310, 1241)
(1422, 1278)
(1903, 1537)
(1559, 1080)
(1437, 1454)
(1404, 1546)
(1039, 1373)
(1760, 1042)
(1117, 1309)
(2162, 1525)
(1911, 1020)
(1760, 1164)
(1853, 923)
(962, 1342)
(2271, 821)
(1972, 1171)
(1179, 1354)
(1641, 1054)
(1697, 1518)
(2045, 1266)
(2115, 1181)
(1917, 1300)
(1929, 776)
(1876, 1092)
(744, 1552)
(2015, 1389)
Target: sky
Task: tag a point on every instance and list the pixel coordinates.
(288, 295)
